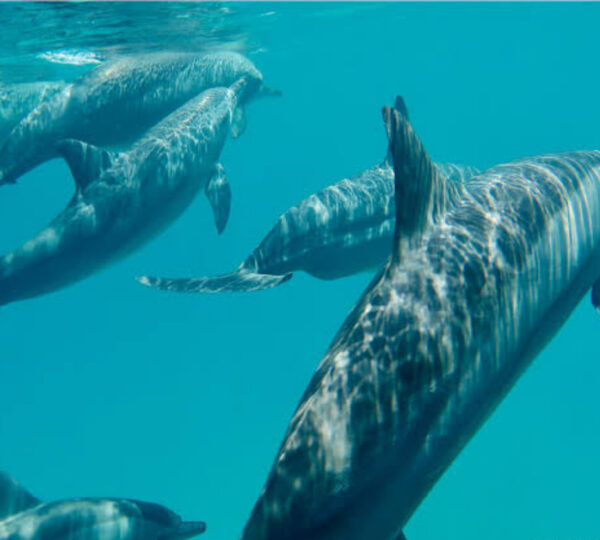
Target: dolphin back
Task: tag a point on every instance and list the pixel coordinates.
(14, 498)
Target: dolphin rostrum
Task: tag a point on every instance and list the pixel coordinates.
(24, 517)
(341, 230)
(481, 277)
(116, 102)
(124, 200)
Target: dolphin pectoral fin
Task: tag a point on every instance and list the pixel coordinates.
(86, 161)
(240, 281)
(14, 498)
(596, 295)
(218, 193)
(186, 529)
(238, 124)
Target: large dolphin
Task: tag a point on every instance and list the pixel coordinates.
(124, 200)
(24, 517)
(18, 100)
(117, 101)
(481, 277)
(341, 230)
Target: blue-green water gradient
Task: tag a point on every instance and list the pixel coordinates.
(109, 388)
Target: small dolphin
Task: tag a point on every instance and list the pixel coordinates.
(124, 200)
(479, 281)
(117, 101)
(23, 517)
(18, 100)
(341, 230)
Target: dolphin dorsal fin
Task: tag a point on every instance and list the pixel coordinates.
(86, 161)
(14, 498)
(417, 183)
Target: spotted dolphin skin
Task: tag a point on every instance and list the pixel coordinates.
(23, 517)
(117, 101)
(18, 100)
(478, 283)
(341, 230)
(124, 200)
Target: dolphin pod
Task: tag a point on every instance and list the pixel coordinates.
(24, 517)
(481, 277)
(117, 101)
(341, 230)
(125, 199)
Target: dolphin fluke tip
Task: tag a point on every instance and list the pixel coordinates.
(188, 529)
(240, 281)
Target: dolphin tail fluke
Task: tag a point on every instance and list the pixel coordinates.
(240, 281)
(186, 529)
(14, 498)
(218, 193)
(86, 161)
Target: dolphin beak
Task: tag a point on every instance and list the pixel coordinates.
(188, 529)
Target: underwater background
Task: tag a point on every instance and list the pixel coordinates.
(108, 388)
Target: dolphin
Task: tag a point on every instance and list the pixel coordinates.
(341, 230)
(24, 517)
(481, 277)
(123, 200)
(18, 100)
(116, 102)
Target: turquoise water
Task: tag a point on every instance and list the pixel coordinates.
(109, 388)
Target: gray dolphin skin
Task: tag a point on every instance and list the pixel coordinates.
(481, 277)
(124, 200)
(18, 100)
(88, 519)
(117, 101)
(341, 230)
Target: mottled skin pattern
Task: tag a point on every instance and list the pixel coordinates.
(117, 101)
(436, 341)
(341, 230)
(130, 199)
(91, 519)
(18, 100)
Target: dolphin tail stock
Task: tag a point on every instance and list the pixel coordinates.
(186, 529)
(14, 498)
(86, 161)
(239, 281)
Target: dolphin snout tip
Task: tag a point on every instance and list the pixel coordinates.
(188, 529)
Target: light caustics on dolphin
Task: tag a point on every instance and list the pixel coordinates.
(124, 200)
(471, 294)
(343, 229)
(18, 100)
(24, 517)
(117, 101)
